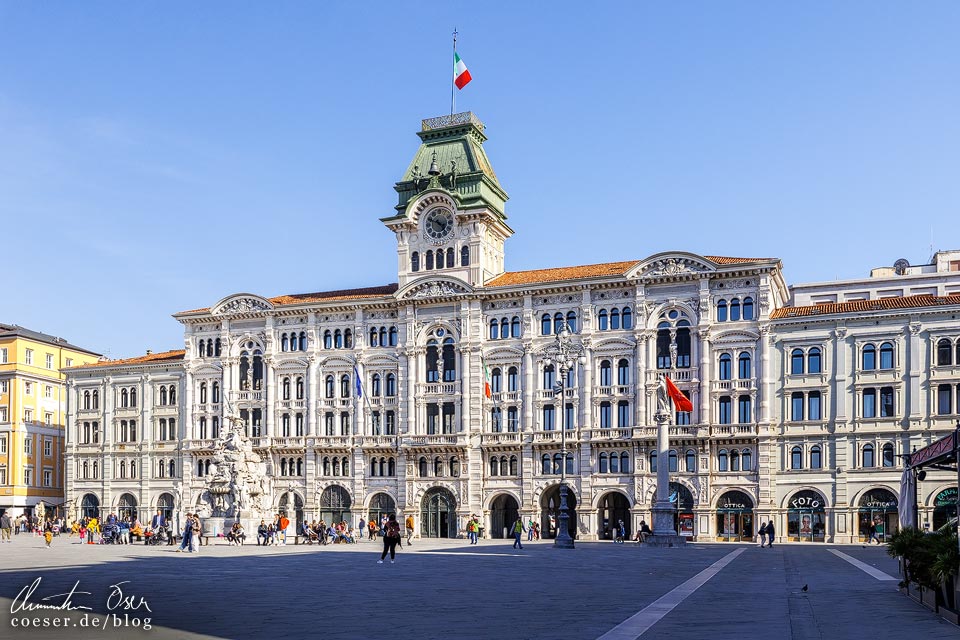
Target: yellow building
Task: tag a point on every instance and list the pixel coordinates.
(33, 411)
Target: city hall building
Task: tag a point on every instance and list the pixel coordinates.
(430, 396)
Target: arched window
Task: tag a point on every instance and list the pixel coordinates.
(605, 376)
(690, 461)
(545, 464)
(422, 467)
(722, 311)
(440, 261)
(348, 339)
(415, 261)
(429, 264)
(734, 460)
(450, 262)
(203, 393)
(391, 467)
(673, 461)
(796, 458)
(515, 327)
(504, 328)
(683, 344)
(496, 419)
(888, 455)
(746, 460)
(602, 322)
(299, 388)
(796, 361)
(202, 349)
(96, 399)
(623, 372)
(393, 336)
(548, 377)
(504, 466)
(868, 460)
(512, 378)
(133, 469)
(494, 329)
(124, 399)
(173, 393)
(557, 322)
(283, 343)
(624, 462)
(133, 397)
(557, 460)
(375, 385)
(328, 387)
(886, 356)
(614, 463)
(327, 339)
(465, 256)
(513, 465)
(303, 341)
(744, 370)
(748, 308)
(869, 358)
(86, 399)
(944, 352)
(725, 370)
(391, 385)
(454, 461)
(545, 324)
(653, 462)
(374, 341)
(627, 318)
(816, 457)
(814, 364)
(494, 467)
(603, 463)
(722, 460)
(496, 379)
(735, 309)
(344, 386)
(286, 388)
(283, 466)
(438, 466)
(572, 321)
(337, 339)
(163, 395)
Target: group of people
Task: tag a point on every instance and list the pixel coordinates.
(768, 533)
(274, 533)
(22, 524)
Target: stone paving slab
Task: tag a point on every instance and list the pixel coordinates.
(443, 587)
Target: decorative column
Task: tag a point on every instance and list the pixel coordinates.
(664, 511)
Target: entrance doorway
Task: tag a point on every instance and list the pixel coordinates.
(550, 512)
(380, 505)
(806, 517)
(90, 506)
(734, 517)
(878, 507)
(614, 507)
(335, 505)
(438, 514)
(504, 511)
(297, 509)
(127, 507)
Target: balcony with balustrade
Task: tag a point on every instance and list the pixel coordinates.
(434, 440)
(291, 405)
(379, 442)
(438, 388)
(501, 438)
(507, 397)
(733, 430)
(331, 442)
(678, 376)
(610, 434)
(287, 443)
(257, 395)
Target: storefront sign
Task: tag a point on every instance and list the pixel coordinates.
(807, 501)
(686, 525)
(946, 498)
(879, 500)
(734, 501)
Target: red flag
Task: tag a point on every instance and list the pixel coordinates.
(680, 401)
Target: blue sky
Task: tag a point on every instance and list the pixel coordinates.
(176, 152)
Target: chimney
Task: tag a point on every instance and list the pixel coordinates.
(149, 352)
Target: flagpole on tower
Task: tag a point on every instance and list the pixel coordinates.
(453, 75)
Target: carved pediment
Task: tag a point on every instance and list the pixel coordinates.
(242, 303)
(435, 289)
(673, 267)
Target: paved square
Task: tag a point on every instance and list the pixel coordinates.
(440, 589)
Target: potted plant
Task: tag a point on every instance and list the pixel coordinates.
(944, 568)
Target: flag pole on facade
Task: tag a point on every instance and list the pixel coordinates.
(453, 78)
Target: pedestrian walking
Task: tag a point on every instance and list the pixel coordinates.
(771, 533)
(48, 533)
(530, 530)
(472, 530)
(409, 525)
(873, 534)
(197, 532)
(391, 538)
(763, 534)
(621, 532)
(362, 528)
(518, 530)
(6, 527)
(187, 534)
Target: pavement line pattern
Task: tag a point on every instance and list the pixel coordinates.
(863, 566)
(639, 623)
(470, 553)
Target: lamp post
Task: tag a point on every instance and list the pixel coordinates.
(565, 354)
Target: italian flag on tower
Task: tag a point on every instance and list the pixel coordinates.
(461, 76)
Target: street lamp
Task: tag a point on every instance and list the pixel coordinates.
(565, 354)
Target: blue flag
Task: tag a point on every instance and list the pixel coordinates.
(358, 383)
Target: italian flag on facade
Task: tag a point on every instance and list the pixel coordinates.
(461, 76)
(486, 380)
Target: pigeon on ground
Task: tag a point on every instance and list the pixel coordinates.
(805, 588)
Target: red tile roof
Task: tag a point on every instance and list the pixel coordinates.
(724, 260)
(562, 273)
(150, 358)
(324, 296)
(879, 304)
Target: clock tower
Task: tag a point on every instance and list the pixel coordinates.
(449, 218)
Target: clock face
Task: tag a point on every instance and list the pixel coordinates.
(438, 225)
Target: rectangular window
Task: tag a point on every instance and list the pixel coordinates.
(3, 444)
(744, 410)
(28, 358)
(886, 402)
(796, 406)
(725, 413)
(433, 417)
(47, 478)
(869, 403)
(344, 423)
(28, 477)
(3, 355)
(49, 361)
(3, 414)
(28, 388)
(48, 447)
(47, 391)
(3, 475)
(48, 418)
(328, 424)
(549, 422)
(813, 406)
(944, 400)
(3, 386)
(374, 423)
(513, 420)
(28, 415)
(391, 424)
(449, 416)
(623, 414)
(69, 362)
(605, 415)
